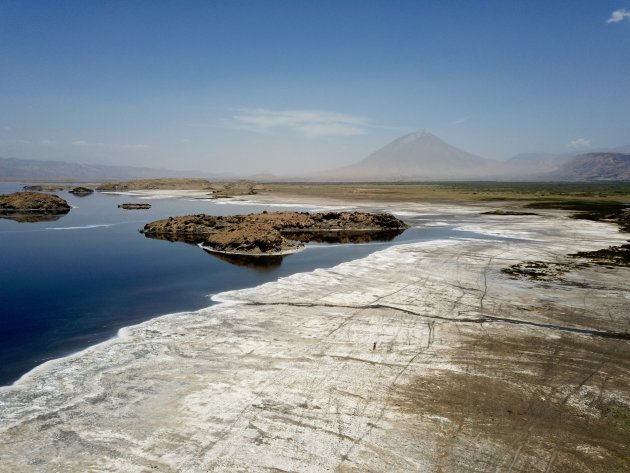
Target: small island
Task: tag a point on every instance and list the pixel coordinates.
(131, 206)
(32, 206)
(273, 233)
(81, 191)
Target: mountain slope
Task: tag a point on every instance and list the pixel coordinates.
(13, 168)
(417, 156)
(595, 166)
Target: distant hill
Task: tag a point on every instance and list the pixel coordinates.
(595, 167)
(422, 156)
(13, 168)
(416, 156)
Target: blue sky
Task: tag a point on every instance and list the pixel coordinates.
(289, 86)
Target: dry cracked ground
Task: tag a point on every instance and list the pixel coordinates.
(473, 370)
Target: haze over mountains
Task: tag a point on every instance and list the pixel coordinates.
(422, 156)
(418, 156)
(13, 168)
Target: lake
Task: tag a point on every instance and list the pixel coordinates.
(73, 282)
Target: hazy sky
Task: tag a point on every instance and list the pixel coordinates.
(303, 85)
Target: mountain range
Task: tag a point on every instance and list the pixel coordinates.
(418, 156)
(14, 168)
(595, 167)
(422, 156)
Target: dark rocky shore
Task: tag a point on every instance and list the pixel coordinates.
(32, 206)
(271, 233)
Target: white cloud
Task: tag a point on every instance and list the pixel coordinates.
(618, 15)
(580, 143)
(310, 123)
(48, 142)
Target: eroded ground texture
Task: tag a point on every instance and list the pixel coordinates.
(474, 370)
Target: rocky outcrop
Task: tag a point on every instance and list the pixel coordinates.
(249, 238)
(81, 191)
(32, 206)
(270, 232)
(43, 188)
(22, 201)
(127, 206)
(595, 167)
(154, 184)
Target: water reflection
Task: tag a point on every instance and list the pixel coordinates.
(190, 239)
(267, 262)
(25, 216)
(257, 262)
(346, 236)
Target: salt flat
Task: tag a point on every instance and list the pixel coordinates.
(472, 370)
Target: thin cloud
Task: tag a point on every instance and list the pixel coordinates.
(309, 123)
(580, 143)
(461, 120)
(618, 15)
(49, 142)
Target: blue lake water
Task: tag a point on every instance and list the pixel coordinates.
(74, 282)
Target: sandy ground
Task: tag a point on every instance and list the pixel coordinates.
(421, 357)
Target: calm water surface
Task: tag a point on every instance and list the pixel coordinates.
(73, 282)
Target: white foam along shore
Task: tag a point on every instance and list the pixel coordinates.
(286, 375)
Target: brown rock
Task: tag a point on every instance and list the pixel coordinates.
(152, 184)
(33, 201)
(134, 206)
(273, 232)
(251, 238)
(81, 191)
(32, 207)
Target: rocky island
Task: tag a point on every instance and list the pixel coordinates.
(32, 206)
(272, 233)
(81, 191)
(132, 206)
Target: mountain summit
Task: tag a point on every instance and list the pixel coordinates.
(417, 156)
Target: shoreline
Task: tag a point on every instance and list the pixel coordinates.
(255, 255)
(357, 297)
(159, 194)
